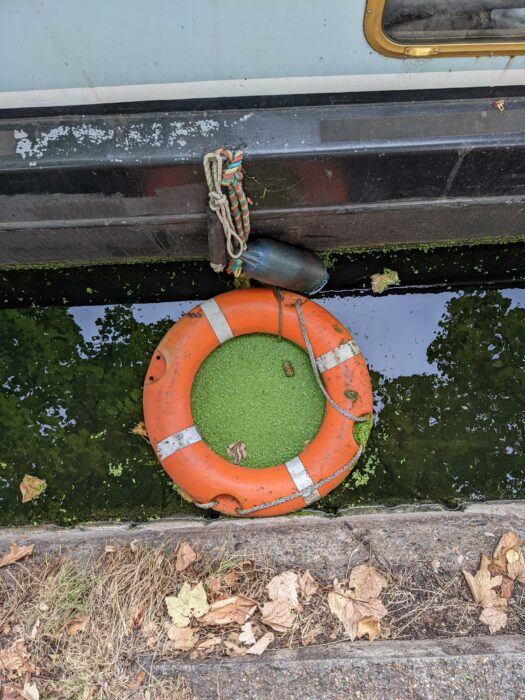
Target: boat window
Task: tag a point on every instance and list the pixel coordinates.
(464, 27)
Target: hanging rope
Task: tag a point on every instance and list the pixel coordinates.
(309, 350)
(223, 168)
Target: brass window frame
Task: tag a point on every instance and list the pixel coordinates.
(378, 40)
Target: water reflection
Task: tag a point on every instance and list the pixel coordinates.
(448, 373)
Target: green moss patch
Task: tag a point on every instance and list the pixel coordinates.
(242, 394)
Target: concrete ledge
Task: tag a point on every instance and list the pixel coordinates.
(325, 545)
(475, 667)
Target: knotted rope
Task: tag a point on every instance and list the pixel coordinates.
(223, 168)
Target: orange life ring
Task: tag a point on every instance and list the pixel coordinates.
(208, 479)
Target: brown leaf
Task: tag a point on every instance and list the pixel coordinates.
(237, 452)
(214, 585)
(507, 586)
(508, 542)
(484, 563)
(140, 430)
(185, 557)
(371, 608)
(31, 487)
(11, 692)
(482, 586)
(16, 553)
(337, 602)
(247, 636)
(137, 681)
(234, 649)
(351, 618)
(235, 610)
(138, 616)
(77, 625)
(495, 619)
(367, 626)
(231, 578)
(278, 615)
(284, 586)
(209, 643)
(351, 611)
(516, 569)
(14, 659)
(367, 582)
(307, 585)
(183, 638)
(260, 646)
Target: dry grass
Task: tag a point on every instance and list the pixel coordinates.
(120, 598)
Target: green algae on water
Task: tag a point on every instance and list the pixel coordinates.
(241, 394)
(362, 431)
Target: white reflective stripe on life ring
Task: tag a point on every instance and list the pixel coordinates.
(335, 357)
(217, 320)
(174, 443)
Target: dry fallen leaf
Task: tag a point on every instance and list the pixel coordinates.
(237, 452)
(337, 601)
(284, 586)
(278, 615)
(140, 430)
(368, 626)
(231, 577)
(137, 681)
(16, 553)
(209, 643)
(261, 645)
(234, 610)
(183, 638)
(185, 557)
(351, 618)
(138, 616)
(482, 586)
(495, 619)
(247, 636)
(11, 692)
(367, 582)
(351, 611)
(508, 546)
(234, 649)
(31, 487)
(516, 569)
(190, 602)
(307, 585)
(78, 624)
(14, 659)
(214, 585)
(507, 586)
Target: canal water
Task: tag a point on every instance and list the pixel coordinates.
(447, 367)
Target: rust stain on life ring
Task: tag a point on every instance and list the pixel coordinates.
(212, 481)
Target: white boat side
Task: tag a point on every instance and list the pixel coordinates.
(69, 52)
